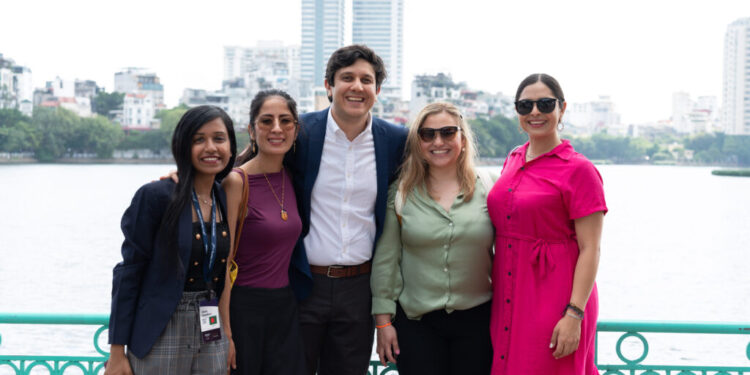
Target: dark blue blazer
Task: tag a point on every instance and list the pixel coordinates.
(389, 142)
(147, 286)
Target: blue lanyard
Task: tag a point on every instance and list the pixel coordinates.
(208, 251)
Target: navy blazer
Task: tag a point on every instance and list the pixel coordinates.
(389, 142)
(147, 287)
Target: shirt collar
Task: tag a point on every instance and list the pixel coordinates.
(333, 128)
(563, 151)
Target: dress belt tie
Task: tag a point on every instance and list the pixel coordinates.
(541, 254)
(541, 257)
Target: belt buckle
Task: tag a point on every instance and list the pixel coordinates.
(328, 273)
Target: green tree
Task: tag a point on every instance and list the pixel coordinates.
(495, 137)
(738, 148)
(104, 102)
(16, 133)
(95, 135)
(55, 127)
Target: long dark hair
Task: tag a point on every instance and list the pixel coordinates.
(249, 152)
(182, 142)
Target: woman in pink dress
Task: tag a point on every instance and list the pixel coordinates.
(547, 208)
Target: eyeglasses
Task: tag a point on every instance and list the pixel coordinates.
(285, 123)
(544, 105)
(447, 133)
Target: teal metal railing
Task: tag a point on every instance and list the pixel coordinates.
(56, 364)
(637, 329)
(89, 365)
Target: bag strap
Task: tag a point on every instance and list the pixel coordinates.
(485, 179)
(398, 204)
(241, 213)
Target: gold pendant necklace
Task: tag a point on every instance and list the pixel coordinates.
(284, 215)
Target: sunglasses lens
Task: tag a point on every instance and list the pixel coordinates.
(524, 107)
(546, 105)
(448, 133)
(427, 134)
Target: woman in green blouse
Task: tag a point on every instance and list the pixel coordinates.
(431, 272)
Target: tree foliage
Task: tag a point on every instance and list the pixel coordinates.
(104, 102)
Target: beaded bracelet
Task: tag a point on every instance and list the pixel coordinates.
(575, 309)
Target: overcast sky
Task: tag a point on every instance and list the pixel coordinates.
(638, 52)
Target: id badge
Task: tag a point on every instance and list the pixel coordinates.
(210, 322)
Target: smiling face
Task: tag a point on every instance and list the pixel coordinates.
(275, 128)
(440, 152)
(211, 150)
(536, 124)
(354, 92)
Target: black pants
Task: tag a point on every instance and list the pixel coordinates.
(265, 331)
(442, 343)
(337, 326)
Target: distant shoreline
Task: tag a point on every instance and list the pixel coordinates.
(482, 162)
(88, 161)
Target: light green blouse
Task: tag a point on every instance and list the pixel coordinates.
(435, 259)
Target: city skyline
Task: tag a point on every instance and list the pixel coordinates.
(638, 53)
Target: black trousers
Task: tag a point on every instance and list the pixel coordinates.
(337, 326)
(265, 331)
(442, 343)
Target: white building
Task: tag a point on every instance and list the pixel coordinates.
(736, 83)
(591, 117)
(322, 34)
(140, 81)
(378, 24)
(15, 84)
(694, 116)
(427, 89)
(62, 88)
(138, 112)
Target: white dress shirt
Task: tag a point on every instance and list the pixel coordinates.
(342, 206)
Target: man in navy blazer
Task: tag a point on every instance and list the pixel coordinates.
(344, 162)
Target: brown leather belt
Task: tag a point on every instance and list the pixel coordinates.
(336, 272)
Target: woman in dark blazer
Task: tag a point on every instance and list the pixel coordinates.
(174, 259)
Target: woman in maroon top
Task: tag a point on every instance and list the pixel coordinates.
(264, 336)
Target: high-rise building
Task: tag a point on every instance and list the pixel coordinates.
(322, 34)
(736, 90)
(379, 25)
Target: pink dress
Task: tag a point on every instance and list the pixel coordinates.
(532, 207)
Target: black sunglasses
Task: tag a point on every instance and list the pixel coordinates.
(545, 105)
(447, 133)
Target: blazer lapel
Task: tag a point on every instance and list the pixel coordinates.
(381, 167)
(315, 143)
(185, 236)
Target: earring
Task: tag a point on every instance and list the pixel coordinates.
(252, 146)
(520, 130)
(560, 126)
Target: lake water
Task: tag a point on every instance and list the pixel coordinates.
(675, 247)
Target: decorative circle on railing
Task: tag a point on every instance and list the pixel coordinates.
(618, 348)
(613, 372)
(686, 372)
(96, 341)
(72, 363)
(11, 365)
(38, 363)
(722, 373)
(650, 372)
(98, 368)
(1, 339)
(748, 350)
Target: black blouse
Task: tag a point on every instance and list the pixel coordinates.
(194, 281)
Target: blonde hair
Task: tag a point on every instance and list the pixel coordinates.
(414, 168)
